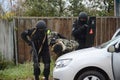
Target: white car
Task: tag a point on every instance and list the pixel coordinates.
(95, 63)
(117, 33)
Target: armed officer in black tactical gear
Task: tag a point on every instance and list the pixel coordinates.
(79, 29)
(37, 38)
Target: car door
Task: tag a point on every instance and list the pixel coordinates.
(116, 65)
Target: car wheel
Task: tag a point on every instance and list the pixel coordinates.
(91, 75)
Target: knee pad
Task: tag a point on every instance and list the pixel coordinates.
(36, 69)
(47, 66)
(46, 71)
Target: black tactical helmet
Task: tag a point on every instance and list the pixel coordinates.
(83, 15)
(57, 48)
(41, 24)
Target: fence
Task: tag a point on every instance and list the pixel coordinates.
(6, 40)
(105, 28)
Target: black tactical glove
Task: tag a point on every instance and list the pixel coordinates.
(30, 43)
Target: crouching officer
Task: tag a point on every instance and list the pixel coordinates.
(37, 39)
(61, 45)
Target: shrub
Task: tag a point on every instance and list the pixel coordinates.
(4, 63)
(7, 16)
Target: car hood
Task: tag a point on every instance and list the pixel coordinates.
(83, 53)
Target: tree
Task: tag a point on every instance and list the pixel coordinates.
(6, 11)
(1, 9)
(109, 7)
(76, 7)
(102, 7)
(45, 7)
(58, 8)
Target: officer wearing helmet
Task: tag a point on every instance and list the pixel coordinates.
(38, 36)
(79, 29)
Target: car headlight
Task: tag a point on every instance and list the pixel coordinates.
(62, 63)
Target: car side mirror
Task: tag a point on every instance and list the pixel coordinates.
(111, 49)
(117, 45)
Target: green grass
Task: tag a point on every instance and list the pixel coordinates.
(21, 72)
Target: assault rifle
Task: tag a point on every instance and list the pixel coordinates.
(36, 63)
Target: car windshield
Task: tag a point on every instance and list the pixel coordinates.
(107, 43)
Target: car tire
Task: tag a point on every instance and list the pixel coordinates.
(91, 75)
